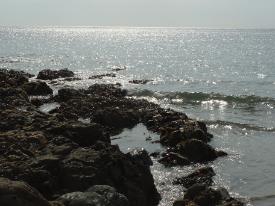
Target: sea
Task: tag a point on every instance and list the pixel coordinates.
(224, 77)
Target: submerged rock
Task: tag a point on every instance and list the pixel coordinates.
(140, 81)
(170, 159)
(48, 74)
(100, 76)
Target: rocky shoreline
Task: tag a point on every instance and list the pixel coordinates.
(55, 159)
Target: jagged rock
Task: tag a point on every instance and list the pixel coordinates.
(200, 176)
(98, 195)
(48, 74)
(170, 159)
(37, 88)
(141, 156)
(198, 151)
(15, 193)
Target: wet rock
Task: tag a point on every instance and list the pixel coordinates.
(170, 159)
(66, 94)
(106, 90)
(70, 79)
(15, 193)
(37, 88)
(100, 76)
(48, 74)
(98, 195)
(117, 118)
(140, 81)
(197, 151)
(83, 134)
(201, 176)
(201, 195)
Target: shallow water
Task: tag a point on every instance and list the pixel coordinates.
(225, 77)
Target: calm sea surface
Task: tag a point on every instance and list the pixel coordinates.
(224, 77)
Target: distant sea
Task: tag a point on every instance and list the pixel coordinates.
(225, 77)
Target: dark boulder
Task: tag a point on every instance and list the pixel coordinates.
(48, 74)
(83, 134)
(37, 88)
(198, 151)
(115, 117)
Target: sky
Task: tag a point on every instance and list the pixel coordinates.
(153, 13)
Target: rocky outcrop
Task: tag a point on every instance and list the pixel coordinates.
(57, 154)
(48, 74)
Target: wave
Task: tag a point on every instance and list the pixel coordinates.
(11, 60)
(198, 97)
(239, 125)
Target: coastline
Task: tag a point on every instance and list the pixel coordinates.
(58, 155)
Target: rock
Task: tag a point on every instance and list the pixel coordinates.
(48, 74)
(117, 69)
(200, 176)
(117, 118)
(170, 159)
(66, 94)
(106, 90)
(197, 151)
(15, 193)
(201, 195)
(141, 81)
(98, 195)
(141, 156)
(70, 79)
(37, 88)
(13, 96)
(81, 133)
(100, 76)
(11, 78)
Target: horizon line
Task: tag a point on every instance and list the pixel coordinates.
(141, 27)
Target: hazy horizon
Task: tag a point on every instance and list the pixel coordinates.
(143, 13)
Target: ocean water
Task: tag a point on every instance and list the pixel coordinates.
(223, 77)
